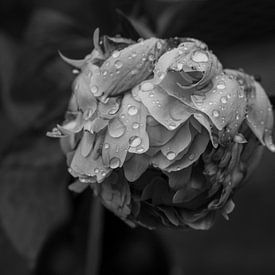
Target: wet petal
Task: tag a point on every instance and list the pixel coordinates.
(224, 104)
(197, 147)
(84, 93)
(185, 69)
(167, 110)
(135, 167)
(178, 179)
(86, 143)
(73, 126)
(108, 110)
(126, 132)
(88, 166)
(159, 135)
(78, 63)
(178, 143)
(260, 116)
(127, 67)
(204, 121)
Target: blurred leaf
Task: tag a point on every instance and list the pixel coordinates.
(33, 196)
(133, 28)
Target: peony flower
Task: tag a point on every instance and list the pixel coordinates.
(162, 133)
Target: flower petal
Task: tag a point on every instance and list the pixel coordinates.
(197, 147)
(135, 167)
(126, 68)
(159, 135)
(178, 143)
(224, 104)
(89, 166)
(167, 110)
(260, 116)
(126, 132)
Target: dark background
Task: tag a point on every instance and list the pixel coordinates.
(44, 226)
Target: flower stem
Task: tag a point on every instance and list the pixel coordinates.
(93, 257)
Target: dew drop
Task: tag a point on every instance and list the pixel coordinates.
(223, 99)
(215, 113)
(241, 92)
(161, 75)
(151, 94)
(135, 125)
(116, 128)
(96, 170)
(172, 126)
(106, 146)
(221, 86)
(115, 54)
(75, 71)
(132, 110)
(135, 141)
(94, 89)
(103, 173)
(114, 163)
(140, 150)
(191, 156)
(199, 56)
(151, 57)
(113, 111)
(84, 180)
(170, 155)
(228, 96)
(118, 64)
(159, 46)
(179, 66)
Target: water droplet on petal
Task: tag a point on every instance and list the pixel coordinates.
(170, 155)
(115, 54)
(135, 141)
(221, 86)
(96, 170)
(75, 71)
(191, 156)
(151, 94)
(114, 163)
(151, 57)
(94, 89)
(215, 113)
(228, 96)
(132, 110)
(103, 173)
(159, 46)
(241, 92)
(118, 64)
(179, 66)
(223, 99)
(140, 150)
(106, 146)
(116, 128)
(135, 125)
(199, 57)
(172, 126)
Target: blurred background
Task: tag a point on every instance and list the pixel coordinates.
(44, 227)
